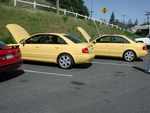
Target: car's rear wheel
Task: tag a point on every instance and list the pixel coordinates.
(129, 55)
(65, 61)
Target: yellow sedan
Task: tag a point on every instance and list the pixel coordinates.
(62, 49)
(116, 46)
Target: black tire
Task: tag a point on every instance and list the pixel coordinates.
(65, 61)
(129, 56)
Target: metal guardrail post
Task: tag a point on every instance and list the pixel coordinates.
(15, 2)
(64, 11)
(34, 4)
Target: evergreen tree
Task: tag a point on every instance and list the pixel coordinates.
(112, 18)
(136, 22)
(130, 23)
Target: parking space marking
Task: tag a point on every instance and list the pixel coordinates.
(47, 73)
(115, 64)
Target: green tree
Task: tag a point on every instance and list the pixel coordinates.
(130, 23)
(112, 18)
(5, 1)
(136, 22)
(76, 6)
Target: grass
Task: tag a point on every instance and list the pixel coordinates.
(43, 21)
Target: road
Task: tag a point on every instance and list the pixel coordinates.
(107, 85)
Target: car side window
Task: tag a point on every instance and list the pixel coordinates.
(105, 39)
(54, 39)
(37, 39)
(117, 39)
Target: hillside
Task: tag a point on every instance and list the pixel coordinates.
(42, 21)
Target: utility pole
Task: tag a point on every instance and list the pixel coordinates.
(57, 6)
(91, 8)
(124, 21)
(147, 14)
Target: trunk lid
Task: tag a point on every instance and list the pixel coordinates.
(18, 32)
(84, 33)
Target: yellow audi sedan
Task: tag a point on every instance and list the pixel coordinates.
(116, 46)
(62, 49)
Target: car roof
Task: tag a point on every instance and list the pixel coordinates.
(49, 34)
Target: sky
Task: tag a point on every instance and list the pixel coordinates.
(123, 9)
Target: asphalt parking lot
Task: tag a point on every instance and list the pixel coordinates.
(107, 85)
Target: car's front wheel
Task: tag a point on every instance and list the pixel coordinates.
(65, 61)
(129, 55)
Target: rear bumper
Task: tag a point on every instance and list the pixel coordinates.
(87, 58)
(10, 67)
(142, 54)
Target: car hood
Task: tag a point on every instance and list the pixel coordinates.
(84, 33)
(18, 32)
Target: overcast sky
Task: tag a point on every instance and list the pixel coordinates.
(131, 9)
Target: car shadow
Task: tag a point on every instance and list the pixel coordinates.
(40, 63)
(141, 69)
(108, 58)
(148, 47)
(5, 76)
(85, 65)
(116, 58)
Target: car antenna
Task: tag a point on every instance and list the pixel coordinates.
(97, 28)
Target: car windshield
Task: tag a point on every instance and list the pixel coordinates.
(74, 39)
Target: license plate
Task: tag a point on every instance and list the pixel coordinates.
(9, 56)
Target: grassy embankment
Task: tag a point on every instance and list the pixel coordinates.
(43, 21)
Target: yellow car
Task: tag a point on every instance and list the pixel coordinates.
(62, 49)
(116, 46)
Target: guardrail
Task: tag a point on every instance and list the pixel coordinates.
(65, 12)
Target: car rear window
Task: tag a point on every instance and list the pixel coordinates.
(2, 44)
(74, 39)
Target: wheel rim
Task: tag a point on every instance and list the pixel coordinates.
(129, 56)
(65, 61)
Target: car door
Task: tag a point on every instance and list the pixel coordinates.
(118, 45)
(101, 46)
(53, 46)
(32, 47)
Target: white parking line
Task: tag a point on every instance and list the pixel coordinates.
(46, 73)
(115, 64)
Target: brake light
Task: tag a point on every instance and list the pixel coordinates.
(144, 47)
(85, 50)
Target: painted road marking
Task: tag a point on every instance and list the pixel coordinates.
(47, 73)
(115, 64)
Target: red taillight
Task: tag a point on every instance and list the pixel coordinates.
(85, 50)
(144, 47)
